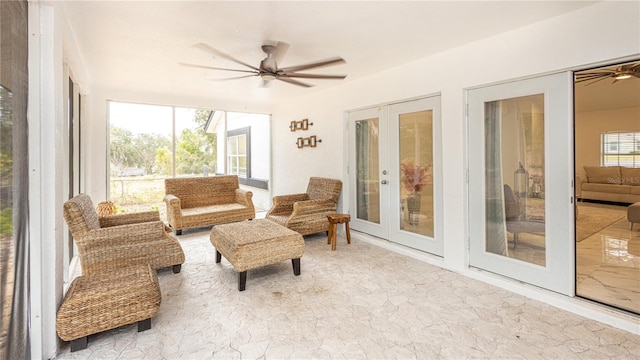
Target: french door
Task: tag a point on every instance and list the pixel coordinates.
(394, 167)
(520, 188)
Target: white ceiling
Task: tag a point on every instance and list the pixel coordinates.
(137, 45)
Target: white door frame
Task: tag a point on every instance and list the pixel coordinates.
(558, 274)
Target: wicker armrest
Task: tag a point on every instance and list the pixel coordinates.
(313, 207)
(283, 204)
(129, 218)
(174, 211)
(244, 197)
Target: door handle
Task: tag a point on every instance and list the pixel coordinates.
(383, 182)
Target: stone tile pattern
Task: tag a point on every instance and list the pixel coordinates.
(360, 302)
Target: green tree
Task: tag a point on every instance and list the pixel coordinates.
(195, 149)
(163, 161)
(121, 150)
(146, 146)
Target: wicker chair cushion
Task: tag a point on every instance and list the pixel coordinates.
(323, 188)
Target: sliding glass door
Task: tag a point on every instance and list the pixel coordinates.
(520, 198)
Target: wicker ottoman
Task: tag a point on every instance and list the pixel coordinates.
(252, 244)
(107, 301)
(633, 214)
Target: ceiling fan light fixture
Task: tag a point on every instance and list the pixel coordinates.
(623, 76)
(267, 76)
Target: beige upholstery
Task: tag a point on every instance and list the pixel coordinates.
(611, 183)
(633, 214)
(205, 201)
(307, 212)
(111, 242)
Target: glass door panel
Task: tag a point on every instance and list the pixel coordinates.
(416, 171)
(368, 177)
(367, 170)
(520, 189)
(514, 178)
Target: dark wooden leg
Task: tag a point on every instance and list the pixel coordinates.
(242, 280)
(176, 268)
(329, 234)
(79, 344)
(296, 266)
(218, 256)
(144, 324)
(178, 232)
(346, 226)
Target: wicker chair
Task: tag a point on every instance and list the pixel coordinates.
(307, 213)
(110, 242)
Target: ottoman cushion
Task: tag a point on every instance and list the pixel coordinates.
(252, 244)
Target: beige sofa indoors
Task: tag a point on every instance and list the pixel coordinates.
(204, 201)
(611, 183)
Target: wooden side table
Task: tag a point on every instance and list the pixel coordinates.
(334, 220)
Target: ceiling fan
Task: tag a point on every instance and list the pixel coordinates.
(268, 69)
(621, 72)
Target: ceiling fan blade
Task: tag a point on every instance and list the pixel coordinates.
(590, 77)
(234, 77)
(317, 64)
(216, 68)
(294, 82)
(313, 76)
(594, 81)
(219, 53)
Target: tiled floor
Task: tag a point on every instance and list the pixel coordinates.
(608, 264)
(359, 302)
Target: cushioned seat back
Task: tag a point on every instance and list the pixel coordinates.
(511, 205)
(80, 215)
(323, 188)
(203, 191)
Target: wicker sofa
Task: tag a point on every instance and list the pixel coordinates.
(611, 183)
(307, 212)
(205, 201)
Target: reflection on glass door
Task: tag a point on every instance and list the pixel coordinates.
(520, 193)
(514, 178)
(367, 169)
(416, 172)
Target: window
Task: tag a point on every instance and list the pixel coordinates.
(148, 143)
(620, 149)
(239, 156)
(238, 146)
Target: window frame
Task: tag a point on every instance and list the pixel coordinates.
(248, 180)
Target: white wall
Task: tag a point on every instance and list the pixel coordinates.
(565, 42)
